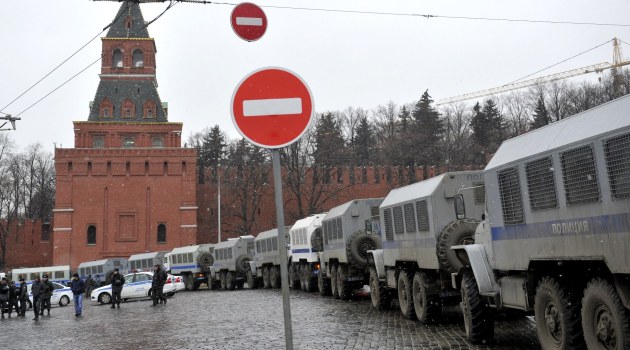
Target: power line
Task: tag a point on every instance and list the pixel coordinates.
(432, 16)
(62, 63)
(555, 64)
(171, 4)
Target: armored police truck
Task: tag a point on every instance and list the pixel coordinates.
(556, 239)
(420, 228)
(103, 268)
(231, 262)
(264, 270)
(306, 242)
(146, 261)
(193, 263)
(349, 231)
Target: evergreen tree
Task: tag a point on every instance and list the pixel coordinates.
(429, 128)
(541, 116)
(329, 143)
(212, 148)
(363, 143)
(405, 154)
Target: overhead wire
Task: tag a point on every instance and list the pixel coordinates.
(171, 5)
(62, 63)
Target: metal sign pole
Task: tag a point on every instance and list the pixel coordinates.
(282, 244)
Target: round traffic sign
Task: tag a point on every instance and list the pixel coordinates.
(248, 21)
(272, 107)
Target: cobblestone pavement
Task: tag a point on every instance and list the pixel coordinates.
(249, 319)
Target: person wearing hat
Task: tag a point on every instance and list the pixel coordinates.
(46, 294)
(13, 299)
(157, 285)
(22, 297)
(36, 289)
(117, 285)
(78, 288)
(4, 296)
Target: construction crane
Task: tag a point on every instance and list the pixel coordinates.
(615, 68)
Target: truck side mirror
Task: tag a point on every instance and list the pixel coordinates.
(460, 208)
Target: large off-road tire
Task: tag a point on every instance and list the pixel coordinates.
(358, 245)
(309, 281)
(242, 263)
(344, 288)
(205, 260)
(557, 315)
(380, 296)
(458, 232)
(478, 318)
(301, 272)
(405, 296)
(274, 276)
(230, 280)
(294, 281)
(604, 318)
(323, 283)
(426, 301)
(223, 277)
(251, 280)
(189, 281)
(333, 281)
(317, 240)
(211, 283)
(266, 277)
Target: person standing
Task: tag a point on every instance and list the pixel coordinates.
(157, 285)
(117, 285)
(97, 281)
(46, 294)
(78, 288)
(89, 283)
(13, 300)
(23, 297)
(36, 289)
(4, 296)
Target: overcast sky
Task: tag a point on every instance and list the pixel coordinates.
(347, 59)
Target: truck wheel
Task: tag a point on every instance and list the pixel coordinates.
(458, 232)
(274, 276)
(230, 280)
(358, 245)
(333, 281)
(189, 281)
(557, 315)
(301, 273)
(478, 320)
(426, 304)
(223, 280)
(317, 240)
(323, 283)
(604, 318)
(205, 260)
(294, 283)
(242, 263)
(343, 286)
(405, 296)
(309, 284)
(251, 280)
(381, 299)
(266, 279)
(211, 283)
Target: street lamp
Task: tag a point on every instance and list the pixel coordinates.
(219, 201)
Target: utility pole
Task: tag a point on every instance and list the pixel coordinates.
(9, 119)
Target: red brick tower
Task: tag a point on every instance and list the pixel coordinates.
(127, 186)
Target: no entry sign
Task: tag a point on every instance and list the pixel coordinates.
(272, 107)
(248, 21)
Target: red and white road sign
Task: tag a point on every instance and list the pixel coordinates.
(248, 21)
(272, 107)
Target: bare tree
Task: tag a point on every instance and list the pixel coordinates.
(457, 141)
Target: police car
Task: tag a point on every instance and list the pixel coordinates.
(137, 285)
(61, 296)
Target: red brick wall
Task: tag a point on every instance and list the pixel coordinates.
(25, 247)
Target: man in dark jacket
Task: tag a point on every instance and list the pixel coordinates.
(4, 296)
(157, 285)
(45, 294)
(22, 296)
(36, 289)
(118, 281)
(89, 286)
(78, 288)
(13, 301)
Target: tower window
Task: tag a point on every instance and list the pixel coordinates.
(98, 142)
(157, 142)
(161, 233)
(138, 58)
(91, 234)
(106, 112)
(149, 113)
(117, 59)
(128, 142)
